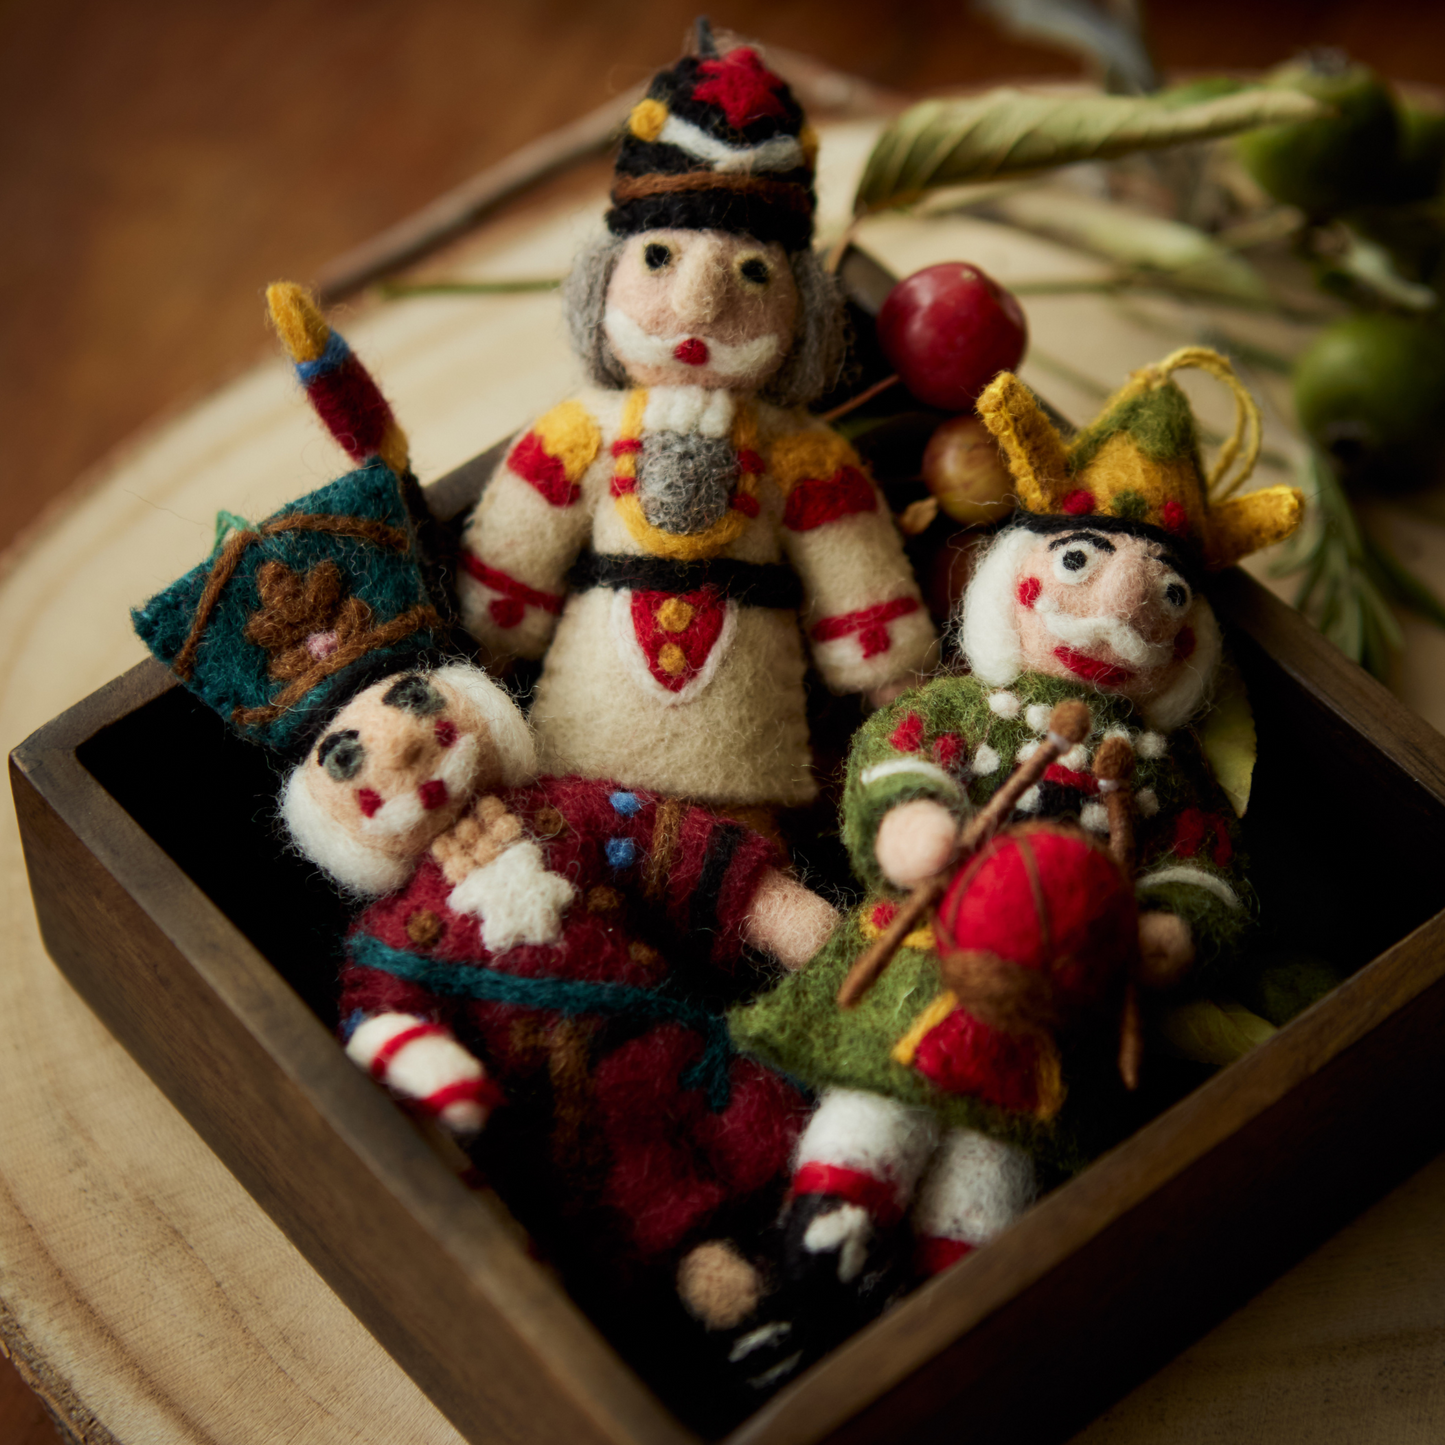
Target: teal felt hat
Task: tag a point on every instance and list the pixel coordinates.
(288, 620)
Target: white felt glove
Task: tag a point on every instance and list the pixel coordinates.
(422, 1061)
(915, 840)
(788, 920)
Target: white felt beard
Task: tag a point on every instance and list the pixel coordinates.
(632, 345)
(988, 634)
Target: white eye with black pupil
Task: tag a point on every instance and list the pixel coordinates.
(1176, 593)
(755, 270)
(1075, 562)
(656, 255)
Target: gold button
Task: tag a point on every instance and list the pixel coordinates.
(671, 658)
(675, 614)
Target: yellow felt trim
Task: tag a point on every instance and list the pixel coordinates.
(808, 141)
(681, 546)
(807, 456)
(1244, 524)
(1119, 466)
(395, 450)
(570, 434)
(647, 119)
(921, 938)
(932, 1015)
(1036, 454)
(298, 322)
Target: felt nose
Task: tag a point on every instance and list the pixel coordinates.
(410, 753)
(700, 290)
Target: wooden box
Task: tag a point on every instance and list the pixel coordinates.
(153, 862)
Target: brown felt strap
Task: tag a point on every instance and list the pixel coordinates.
(412, 620)
(636, 188)
(235, 545)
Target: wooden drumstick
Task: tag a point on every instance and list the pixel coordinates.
(1114, 768)
(1069, 724)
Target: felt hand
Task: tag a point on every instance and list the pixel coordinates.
(915, 840)
(788, 920)
(1166, 949)
(423, 1062)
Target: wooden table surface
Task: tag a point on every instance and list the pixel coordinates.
(143, 1292)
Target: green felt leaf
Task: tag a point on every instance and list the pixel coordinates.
(1228, 738)
(1009, 132)
(1213, 1032)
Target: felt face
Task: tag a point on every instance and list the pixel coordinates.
(1106, 608)
(700, 308)
(401, 761)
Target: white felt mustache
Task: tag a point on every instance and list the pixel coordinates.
(402, 813)
(642, 348)
(1114, 631)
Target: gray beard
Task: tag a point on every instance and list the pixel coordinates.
(685, 482)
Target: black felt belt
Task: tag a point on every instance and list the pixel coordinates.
(752, 584)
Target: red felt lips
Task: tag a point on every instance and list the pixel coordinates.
(1093, 669)
(692, 352)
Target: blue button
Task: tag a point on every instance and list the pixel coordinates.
(628, 804)
(621, 852)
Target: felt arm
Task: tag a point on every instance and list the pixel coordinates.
(423, 1062)
(862, 611)
(531, 522)
(788, 920)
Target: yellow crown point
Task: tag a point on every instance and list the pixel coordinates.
(298, 321)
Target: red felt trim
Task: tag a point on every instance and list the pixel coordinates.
(622, 485)
(932, 1254)
(751, 463)
(481, 1091)
(742, 86)
(877, 1196)
(517, 593)
(817, 501)
(1174, 517)
(947, 748)
(695, 642)
(1093, 669)
(1077, 503)
(869, 623)
(433, 794)
(1084, 782)
(352, 408)
(745, 504)
(537, 466)
(907, 737)
(625, 446)
(381, 1061)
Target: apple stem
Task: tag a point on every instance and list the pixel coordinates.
(854, 402)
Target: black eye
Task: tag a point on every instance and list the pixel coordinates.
(342, 755)
(415, 694)
(1076, 559)
(1176, 594)
(657, 255)
(756, 270)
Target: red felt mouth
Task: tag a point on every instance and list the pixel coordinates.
(692, 352)
(432, 794)
(1093, 669)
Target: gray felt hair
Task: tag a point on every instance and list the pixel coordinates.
(808, 371)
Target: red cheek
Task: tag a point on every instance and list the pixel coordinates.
(433, 794)
(368, 800)
(1029, 590)
(446, 732)
(1184, 644)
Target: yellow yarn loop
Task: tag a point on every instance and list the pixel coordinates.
(1248, 425)
(298, 322)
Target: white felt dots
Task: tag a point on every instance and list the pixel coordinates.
(1147, 802)
(1031, 801)
(1095, 817)
(1076, 759)
(1119, 731)
(1037, 716)
(1028, 750)
(1005, 704)
(985, 760)
(1152, 745)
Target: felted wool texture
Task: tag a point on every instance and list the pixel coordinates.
(740, 736)
(974, 1189)
(421, 1066)
(381, 596)
(515, 897)
(685, 482)
(871, 1134)
(808, 371)
(1189, 823)
(592, 1040)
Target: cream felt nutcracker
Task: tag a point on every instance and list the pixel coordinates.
(520, 933)
(986, 1047)
(668, 539)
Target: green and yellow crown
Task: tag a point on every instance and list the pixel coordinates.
(1137, 464)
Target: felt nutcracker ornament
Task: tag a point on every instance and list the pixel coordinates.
(985, 1049)
(668, 539)
(519, 934)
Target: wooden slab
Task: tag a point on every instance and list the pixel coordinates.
(144, 1291)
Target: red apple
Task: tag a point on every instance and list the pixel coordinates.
(948, 331)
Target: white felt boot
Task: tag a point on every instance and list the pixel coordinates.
(975, 1187)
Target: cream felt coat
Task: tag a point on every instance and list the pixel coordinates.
(675, 661)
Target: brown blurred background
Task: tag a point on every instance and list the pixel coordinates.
(161, 160)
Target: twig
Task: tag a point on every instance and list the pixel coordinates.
(854, 402)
